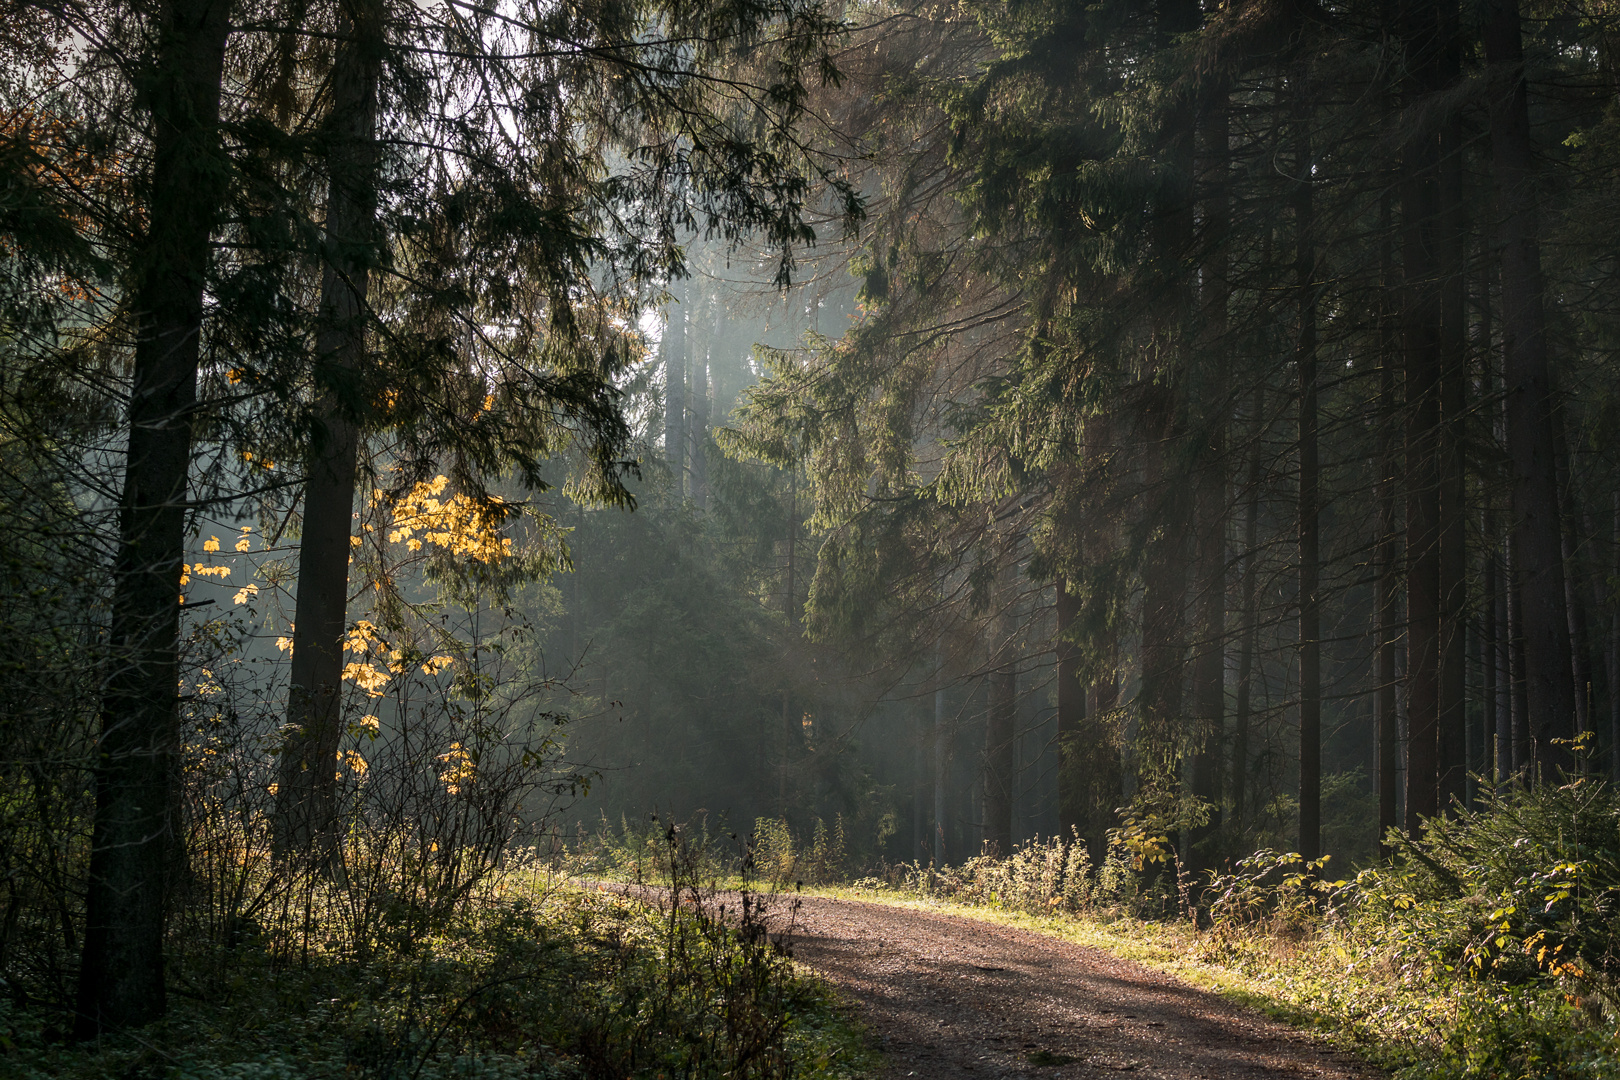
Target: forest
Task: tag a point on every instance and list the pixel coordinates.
(472, 475)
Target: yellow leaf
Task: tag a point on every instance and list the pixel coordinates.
(284, 644)
(368, 678)
(246, 593)
(211, 544)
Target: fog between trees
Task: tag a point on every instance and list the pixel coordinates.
(1185, 427)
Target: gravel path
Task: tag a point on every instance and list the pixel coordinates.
(948, 997)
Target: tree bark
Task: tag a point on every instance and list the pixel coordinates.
(121, 977)
(1614, 645)
(1574, 582)
(1504, 670)
(1161, 429)
(1522, 739)
(306, 817)
(675, 387)
(1493, 675)
(940, 759)
(1309, 535)
(1451, 436)
(1387, 588)
(1244, 695)
(1089, 777)
(1000, 761)
(1210, 500)
(1421, 343)
(700, 404)
(1536, 537)
(1073, 786)
(1489, 651)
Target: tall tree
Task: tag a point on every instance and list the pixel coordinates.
(121, 978)
(1162, 425)
(306, 817)
(1536, 562)
(1386, 587)
(1211, 498)
(1451, 242)
(1421, 346)
(675, 363)
(1001, 758)
(1310, 471)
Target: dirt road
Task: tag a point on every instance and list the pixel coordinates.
(948, 997)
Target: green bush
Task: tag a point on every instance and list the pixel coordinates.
(1524, 889)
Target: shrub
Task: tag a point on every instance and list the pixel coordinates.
(1524, 889)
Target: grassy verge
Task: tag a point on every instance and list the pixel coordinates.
(1353, 979)
(545, 981)
(1486, 948)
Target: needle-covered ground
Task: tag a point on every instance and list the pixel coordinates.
(949, 997)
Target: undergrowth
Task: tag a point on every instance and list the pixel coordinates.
(1487, 949)
(543, 980)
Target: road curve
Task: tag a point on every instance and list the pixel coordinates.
(947, 997)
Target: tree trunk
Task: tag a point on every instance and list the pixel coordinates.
(1504, 670)
(940, 758)
(700, 395)
(1210, 501)
(1614, 645)
(1089, 776)
(1489, 651)
(1310, 600)
(675, 388)
(1452, 563)
(1518, 684)
(919, 842)
(1242, 706)
(1387, 588)
(1073, 781)
(1000, 760)
(121, 978)
(1536, 539)
(790, 591)
(1493, 676)
(306, 818)
(1424, 475)
(1161, 428)
(1164, 624)
(1574, 582)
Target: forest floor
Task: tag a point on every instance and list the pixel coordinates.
(949, 997)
